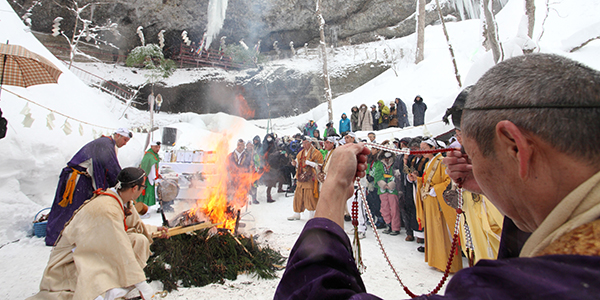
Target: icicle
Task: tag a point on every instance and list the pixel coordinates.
(94, 133)
(26, 110)
(67, 127)
(216, 18)
(80, 129)
(50, 121)
(28, 120)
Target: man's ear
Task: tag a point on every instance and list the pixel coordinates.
(516, 145)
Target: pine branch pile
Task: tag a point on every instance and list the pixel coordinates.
(199, 259)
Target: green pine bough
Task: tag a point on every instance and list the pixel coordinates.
(200, 259)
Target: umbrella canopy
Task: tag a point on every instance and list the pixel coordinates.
(21, 67)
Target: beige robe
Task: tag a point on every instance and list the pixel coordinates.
(580, 207)
(94, 252)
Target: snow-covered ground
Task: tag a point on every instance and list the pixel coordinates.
(33, 157)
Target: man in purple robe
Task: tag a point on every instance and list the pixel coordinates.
(95, 166)
(530, 134)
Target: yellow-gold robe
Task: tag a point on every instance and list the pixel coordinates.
(439, 217)
(485, 226)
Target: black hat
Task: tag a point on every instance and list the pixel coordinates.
(457, 107)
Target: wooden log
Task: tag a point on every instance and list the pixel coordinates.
(180, 230)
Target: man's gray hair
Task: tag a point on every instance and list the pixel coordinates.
(554, 98)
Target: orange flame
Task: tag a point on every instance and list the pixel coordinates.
(245, 111)
(227, 186)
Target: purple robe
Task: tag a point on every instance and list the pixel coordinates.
(105, 166)
(321, 266)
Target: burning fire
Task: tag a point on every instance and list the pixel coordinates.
(245, 111)
(227, 187)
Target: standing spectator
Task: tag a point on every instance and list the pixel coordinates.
(344, 124)
(386, 189)
(150, 166)
(393, 115)
(375, 116)
(317, 135)
(309, 128)
(95, 166)
(254, 168)
(418, 109)
(384, 115)
(271, 161)
(401, 113)
(238, 164)
(354, 119)
(365, 119)
(329, 130)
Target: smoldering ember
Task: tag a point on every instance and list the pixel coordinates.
(218, 120)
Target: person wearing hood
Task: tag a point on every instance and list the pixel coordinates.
(385, 184)
(271, 159)
(309, 128)
(384, 115)
(418, 109)
(344, 124)
(401, 113)
(354, 119)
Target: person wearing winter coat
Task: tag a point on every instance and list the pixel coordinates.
(375, 116)
(354, 119)
(384, 115)
(344, 124)
(393, 116)
(418, 109)
(401, 113)
(272, 161)
(329, 130)
(309, 128)
(365, 119)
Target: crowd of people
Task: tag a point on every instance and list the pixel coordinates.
(529, 145)
(381, 116)
(524, 151)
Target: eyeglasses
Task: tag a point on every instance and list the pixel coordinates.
(143, 186)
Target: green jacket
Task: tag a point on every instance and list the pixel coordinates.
(379, 172)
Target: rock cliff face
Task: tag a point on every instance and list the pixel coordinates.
(284, 21)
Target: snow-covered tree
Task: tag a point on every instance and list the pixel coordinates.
(328, 95)
(439, 10)
(89, 31)
(490, 31)
(420, 31)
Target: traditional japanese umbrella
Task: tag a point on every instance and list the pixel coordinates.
(21, 67)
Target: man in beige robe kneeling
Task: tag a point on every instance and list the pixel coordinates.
(103, 249)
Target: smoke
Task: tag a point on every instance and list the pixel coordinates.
(216, 17)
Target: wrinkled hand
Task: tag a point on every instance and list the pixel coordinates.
(459, 168)
(346, 164)
(163, 232)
